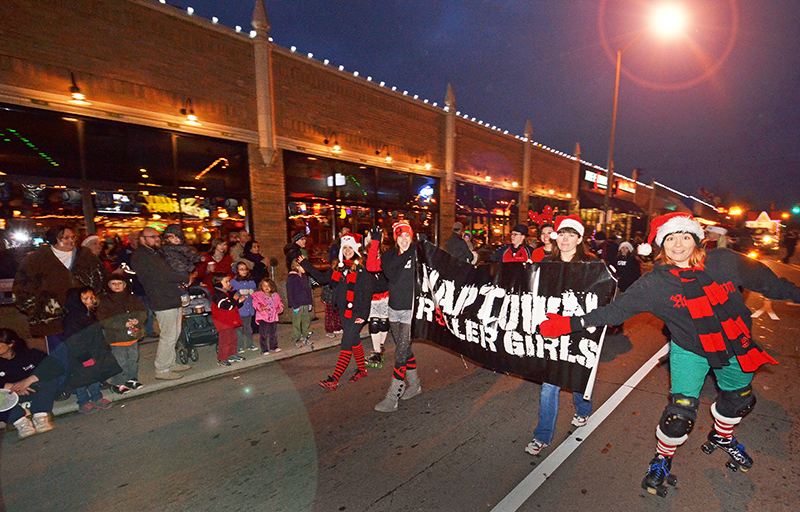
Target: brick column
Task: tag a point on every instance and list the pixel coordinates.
(447, 195)
(267, 190)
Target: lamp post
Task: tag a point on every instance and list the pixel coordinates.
(667, 20)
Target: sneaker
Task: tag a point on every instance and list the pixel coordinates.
(534, 447)
(134, 384)
(579, 421)
(252, 349)
(310, 333)
(24, 427)
(240, 351)
(265, 353)
(41, 422)
(276, 349)
(235, 359)
(180, 367)
(330, 335)
(121, 389)
(223, 363)
(330, 383)
(168, 376)
(103, 403)
(360, 374)
(338, 332)
(88, 408)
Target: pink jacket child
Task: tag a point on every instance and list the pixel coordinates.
(268, 306)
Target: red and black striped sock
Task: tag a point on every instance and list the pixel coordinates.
(358, 354)
(341, 363)
(412, 363)
(399, 373)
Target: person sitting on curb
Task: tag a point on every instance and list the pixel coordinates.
(32, 374)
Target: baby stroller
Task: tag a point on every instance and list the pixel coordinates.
(197, 327)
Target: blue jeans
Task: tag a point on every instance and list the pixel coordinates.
(90, 392)
(548, 411)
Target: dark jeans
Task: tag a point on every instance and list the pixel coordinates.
(128, 359)
(57, 349)
(268, 334)
(41, 401)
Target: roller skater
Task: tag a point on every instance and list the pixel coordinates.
(696, 294)
(379, 314)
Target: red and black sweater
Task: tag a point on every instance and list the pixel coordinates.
(660, 292)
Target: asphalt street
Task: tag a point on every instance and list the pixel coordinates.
(268, 438)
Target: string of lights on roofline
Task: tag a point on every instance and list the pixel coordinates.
(253, 33)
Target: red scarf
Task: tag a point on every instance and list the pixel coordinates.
(350, 279)
(722, 331)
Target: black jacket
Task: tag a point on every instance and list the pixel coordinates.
(160, 282)
(399, 271)
(362, 296)
(458, 248)
(660, 292)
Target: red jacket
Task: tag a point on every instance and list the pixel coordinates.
(225, 310)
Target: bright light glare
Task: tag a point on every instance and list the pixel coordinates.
(668, 20)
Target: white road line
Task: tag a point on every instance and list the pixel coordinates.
(531, 483)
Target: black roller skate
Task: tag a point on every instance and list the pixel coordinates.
(660, 470)
(739, 458)
(375, 360)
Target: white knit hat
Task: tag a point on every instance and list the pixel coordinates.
(349, 240)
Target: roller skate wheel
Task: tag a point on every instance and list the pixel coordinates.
(672, 480)
(656, 491)
(708, 448)
(732, 466)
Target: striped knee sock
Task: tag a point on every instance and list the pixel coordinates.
(412, 363)
(399, 372)
(341, 363)
(666, 450)
(358, 355)
(723, 428)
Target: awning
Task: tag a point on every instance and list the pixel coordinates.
(597, 201)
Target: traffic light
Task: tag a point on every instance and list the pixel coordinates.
(796, 210)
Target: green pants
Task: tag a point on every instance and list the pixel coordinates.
(688, 373)
(301, 321)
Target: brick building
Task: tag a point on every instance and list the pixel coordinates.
(119, 114)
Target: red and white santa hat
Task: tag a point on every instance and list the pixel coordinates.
(352, 240)
(568, 221)
(665, 225)
(400, 227)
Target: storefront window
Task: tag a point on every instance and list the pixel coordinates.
(38, 143)
(131, 179)
(488, 213)
(324, 195)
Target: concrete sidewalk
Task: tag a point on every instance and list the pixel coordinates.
(206, 366)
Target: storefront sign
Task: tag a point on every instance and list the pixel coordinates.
(601, 181)
(162, 204)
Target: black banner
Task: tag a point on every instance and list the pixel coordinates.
(494, 322)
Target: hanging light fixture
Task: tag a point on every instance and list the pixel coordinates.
(188, 111)
(336, 147)
(388, 156)
(78, 98)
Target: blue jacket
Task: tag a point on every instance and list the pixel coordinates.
(245, 288)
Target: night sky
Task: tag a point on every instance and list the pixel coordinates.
(718, 108)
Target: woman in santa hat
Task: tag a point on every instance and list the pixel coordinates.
(352, 294)
(696, 293)
(567, 247)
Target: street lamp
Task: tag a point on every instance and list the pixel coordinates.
(667, 20)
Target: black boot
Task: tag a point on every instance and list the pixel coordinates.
(660, 470)
(739, 458)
